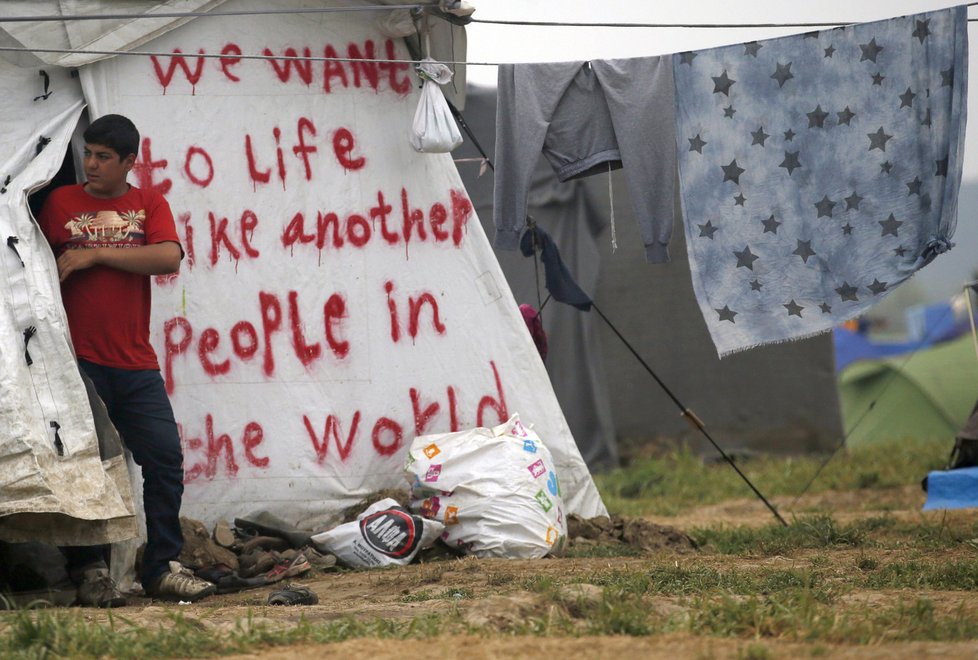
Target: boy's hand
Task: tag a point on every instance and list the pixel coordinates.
(74, 260)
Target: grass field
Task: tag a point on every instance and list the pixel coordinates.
(859, 571)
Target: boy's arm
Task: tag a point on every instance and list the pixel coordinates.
(156, 259)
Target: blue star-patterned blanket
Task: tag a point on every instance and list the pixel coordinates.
(818, 171)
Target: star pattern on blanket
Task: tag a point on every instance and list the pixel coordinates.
(790, 162)
(783, 74)
(771, 225)
(829, 168)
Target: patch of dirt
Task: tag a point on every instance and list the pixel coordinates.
(903, 503)
(643, 535)
(500, 594)
(661, 647)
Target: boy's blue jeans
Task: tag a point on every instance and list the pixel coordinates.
(140, 410)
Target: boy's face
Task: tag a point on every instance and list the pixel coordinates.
(106, 171)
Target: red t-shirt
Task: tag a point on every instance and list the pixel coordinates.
(108, 309)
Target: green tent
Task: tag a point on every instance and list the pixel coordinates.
(926, 395)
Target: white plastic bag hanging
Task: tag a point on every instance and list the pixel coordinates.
(434, 130)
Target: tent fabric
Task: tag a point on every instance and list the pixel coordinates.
(119, 34)
(926, 395)
(447, 41)
(339, 295)
(55, 485)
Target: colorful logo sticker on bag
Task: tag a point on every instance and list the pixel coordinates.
(433, 473)
(393, 532)
(552, 536)
(518, 430)
(529, 446)
(431, 450)
(537, 468)
(552, 484)
(560, 516)
(544, 501)
(451, 515)
(430, 507)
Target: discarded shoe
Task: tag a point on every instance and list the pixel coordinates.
(319, 561)
(271, 525)
(98, 590)
(293, 594)
(223, 536)
(255, 563)
(214, 573)
(265, 543)
(288, 568)
(234, 583)
(180, 584)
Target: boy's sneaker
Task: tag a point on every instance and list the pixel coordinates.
(97, 589)
(180, 584)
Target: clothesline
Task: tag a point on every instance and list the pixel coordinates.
(730, 26)
(207, 14)
(277, 58)
(671, 25)
(368, 8)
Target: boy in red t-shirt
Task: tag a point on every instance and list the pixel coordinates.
(109, 237)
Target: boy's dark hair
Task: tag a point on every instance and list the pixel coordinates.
(116, 132)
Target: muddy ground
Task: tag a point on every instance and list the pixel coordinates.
(492, 594)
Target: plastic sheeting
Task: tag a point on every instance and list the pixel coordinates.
(54, 485)
(447, 41)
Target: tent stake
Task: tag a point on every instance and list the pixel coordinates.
(691, 417)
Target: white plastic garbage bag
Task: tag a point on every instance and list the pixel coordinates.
(496, 490)
(434, 129)
(384, 534)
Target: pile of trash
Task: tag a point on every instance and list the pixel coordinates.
(257, 550)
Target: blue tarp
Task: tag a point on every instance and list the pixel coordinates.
(928, 324)
(952, 489)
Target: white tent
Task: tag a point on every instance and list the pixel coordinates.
(338, 294)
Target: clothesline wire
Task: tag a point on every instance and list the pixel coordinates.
(277, 58)
(299, 58)
(696, 26)
(208, 14)
(225, 56)
(707, 26)
(369, 8)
